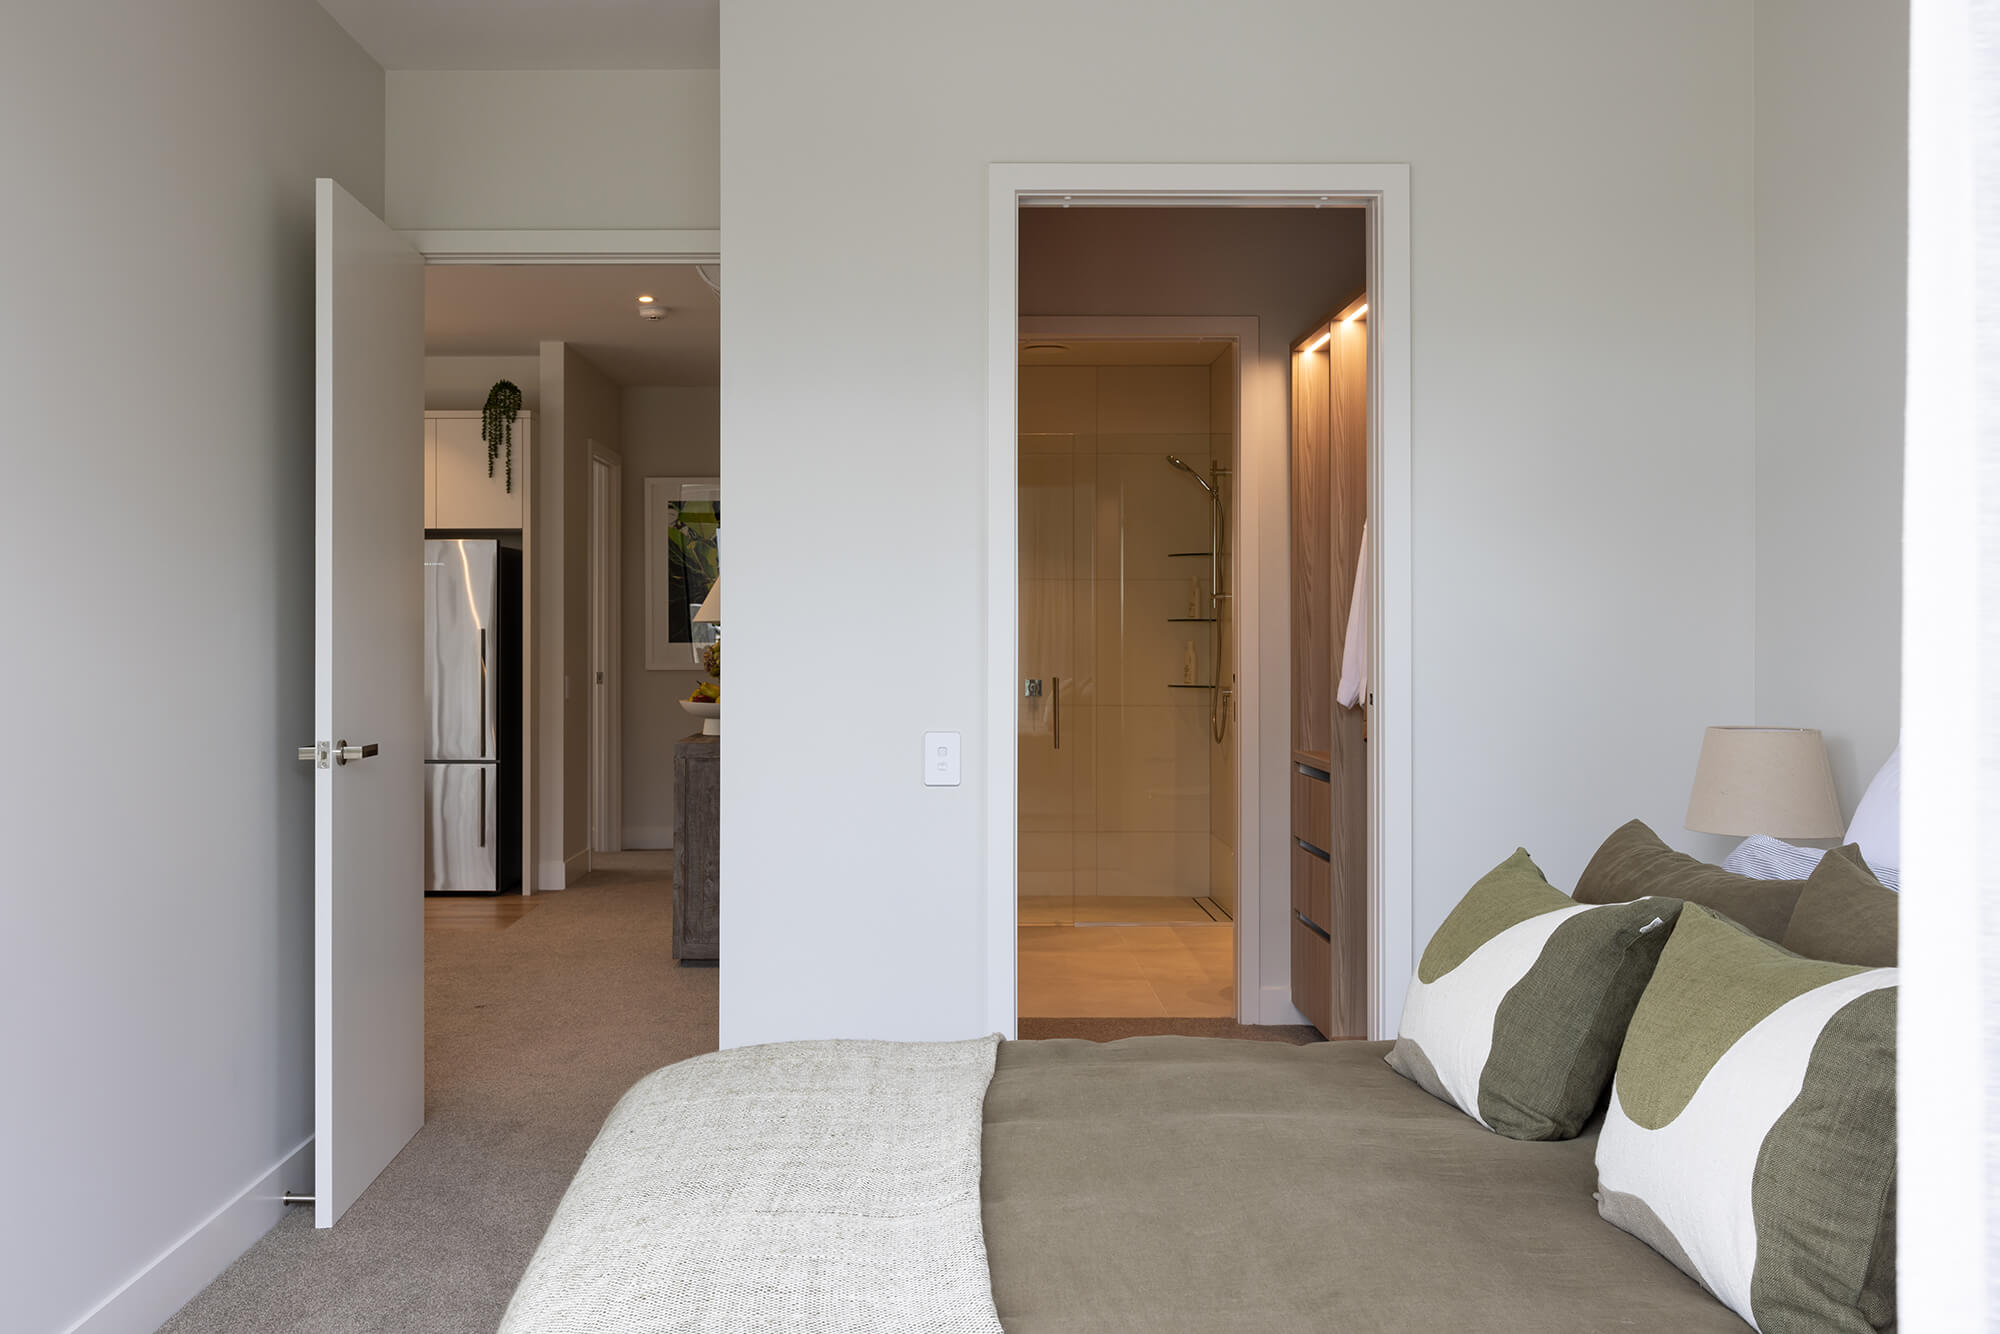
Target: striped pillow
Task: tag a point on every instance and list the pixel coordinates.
(1762, 857)
(1521, 999)
(1751, 1137)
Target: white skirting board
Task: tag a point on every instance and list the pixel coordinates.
(163, 1287)
(1274, 1006)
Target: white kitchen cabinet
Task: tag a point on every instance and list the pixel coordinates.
(466, 496)
(430, 473)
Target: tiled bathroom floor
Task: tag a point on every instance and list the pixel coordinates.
(1119, 910)
(1127, 972)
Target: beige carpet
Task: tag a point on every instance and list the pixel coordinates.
(532, 1033)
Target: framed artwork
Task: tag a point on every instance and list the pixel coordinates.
(683, 554)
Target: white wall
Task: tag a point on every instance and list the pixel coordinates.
(553, 149)
(1578, 171)
(156, 325)
(580, 409)
(462, 383)
(1832, 149)
(667, 433)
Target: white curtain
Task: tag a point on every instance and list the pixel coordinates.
(1950, 1038)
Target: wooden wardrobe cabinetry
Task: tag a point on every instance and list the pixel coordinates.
(1329, 506)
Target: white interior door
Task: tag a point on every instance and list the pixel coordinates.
(368, 850)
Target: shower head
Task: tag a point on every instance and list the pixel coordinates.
(1176, 461)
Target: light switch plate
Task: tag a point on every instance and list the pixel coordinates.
(942, 766)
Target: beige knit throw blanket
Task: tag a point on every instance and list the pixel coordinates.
(801, 1186)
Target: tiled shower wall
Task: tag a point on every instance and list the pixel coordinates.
(1222, 754)
(1125, 805)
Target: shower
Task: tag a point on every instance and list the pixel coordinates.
(1218, 696)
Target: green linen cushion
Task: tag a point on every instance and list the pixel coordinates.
(1751, 1136)
(1521, 1000)
(1845, 915)
(1634, 862)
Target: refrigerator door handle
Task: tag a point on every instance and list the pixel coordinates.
(485, 688)
(482, 805)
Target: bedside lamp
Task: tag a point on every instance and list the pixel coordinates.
(1764, 780)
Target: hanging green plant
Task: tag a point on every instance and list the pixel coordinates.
(496, 425)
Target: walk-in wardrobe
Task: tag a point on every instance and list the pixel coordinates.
(1330, 690)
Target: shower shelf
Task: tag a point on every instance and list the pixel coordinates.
(1177, 620)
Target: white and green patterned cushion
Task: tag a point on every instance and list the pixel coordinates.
(1751, 1137)
(1521, 1000)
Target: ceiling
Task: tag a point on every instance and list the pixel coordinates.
(1122, 352)
(509, 309)
(534, 34)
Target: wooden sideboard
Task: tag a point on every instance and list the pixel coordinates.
(697, 821)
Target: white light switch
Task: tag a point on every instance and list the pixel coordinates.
(941, 759)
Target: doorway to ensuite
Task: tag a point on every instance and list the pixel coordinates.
(1170, 564)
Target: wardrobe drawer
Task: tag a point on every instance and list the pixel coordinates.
(1312, 808)
(1312, 976)
(1312, 887)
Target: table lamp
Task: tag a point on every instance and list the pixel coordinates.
(1764, 780)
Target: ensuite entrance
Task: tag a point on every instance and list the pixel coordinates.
(1191, 449)
(1127, 779)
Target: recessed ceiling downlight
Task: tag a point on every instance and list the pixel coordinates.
(645, 300)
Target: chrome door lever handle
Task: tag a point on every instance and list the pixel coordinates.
(346, 754)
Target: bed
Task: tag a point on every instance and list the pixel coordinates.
(1154, 1184)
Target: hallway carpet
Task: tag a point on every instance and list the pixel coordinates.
(532, 1032)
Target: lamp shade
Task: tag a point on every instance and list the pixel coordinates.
(1764, 780)
(710, 611)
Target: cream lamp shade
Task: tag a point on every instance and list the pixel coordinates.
(710, 612)
(1764, 780)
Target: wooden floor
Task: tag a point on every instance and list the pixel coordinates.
(477, 912)
(497, 912)
(1118, 909)
(1128, 972)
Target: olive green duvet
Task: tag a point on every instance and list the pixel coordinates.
(1157, 1185)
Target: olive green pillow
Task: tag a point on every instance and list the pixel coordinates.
(1521, 999)
(1845, 914)
(1751, 1136)
(1634, 862)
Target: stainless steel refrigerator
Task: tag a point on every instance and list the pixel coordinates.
(470, 654)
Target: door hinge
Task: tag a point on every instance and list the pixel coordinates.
(320, 753)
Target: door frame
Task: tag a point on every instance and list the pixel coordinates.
(1248, 468)
(607, 802)
(1383, 189)
(496, 246)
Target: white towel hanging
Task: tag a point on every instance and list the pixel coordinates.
(1354, 656)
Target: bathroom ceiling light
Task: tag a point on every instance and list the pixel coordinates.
(645, 301)
(1320, 341)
